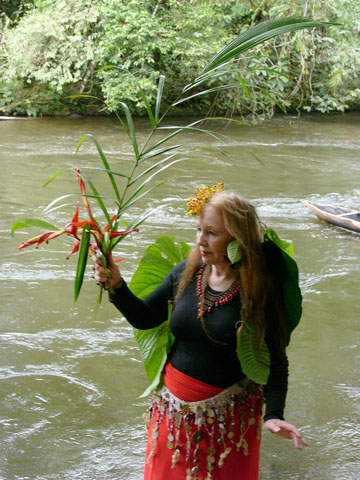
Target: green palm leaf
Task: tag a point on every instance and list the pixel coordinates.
(104, 160)
(131, 130)
(97, 196)
(82, 261)
(32, 222)
(141, 91)
(151, 177)
(135, 197)
(99, 169)
(88, 195)
(259, 34)
(159, 97)
(155, 153)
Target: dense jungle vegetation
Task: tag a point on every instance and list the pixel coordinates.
(52, 49)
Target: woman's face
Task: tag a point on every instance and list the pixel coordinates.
(212, 236)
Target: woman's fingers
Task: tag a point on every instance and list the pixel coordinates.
(110, 276)
(99, 271)
(286, 430)
(300, 443)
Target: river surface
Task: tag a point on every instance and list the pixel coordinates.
(70, 382)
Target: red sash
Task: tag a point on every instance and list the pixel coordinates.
(187, 388)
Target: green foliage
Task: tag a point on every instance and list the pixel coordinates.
(53, 47)
(159, 259)
(290, 281)
(32, 222)
(82, 260)
(15, 9)
(49, 53)
(255, 361)
(174, 39)
(233, 252)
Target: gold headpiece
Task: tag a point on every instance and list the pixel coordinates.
(202, 196)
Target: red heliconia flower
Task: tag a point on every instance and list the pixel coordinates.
(44, 237)
(107, 226)
(93, 226)
(73, 228)
(124, 232)
(74, 250)
(88, 235)
(83, 191)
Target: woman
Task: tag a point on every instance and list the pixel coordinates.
(205, 421)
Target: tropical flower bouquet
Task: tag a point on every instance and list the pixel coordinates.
(88, 235)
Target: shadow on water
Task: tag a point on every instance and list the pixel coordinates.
(70, 384)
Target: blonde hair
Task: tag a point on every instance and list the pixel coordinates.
(242, 223)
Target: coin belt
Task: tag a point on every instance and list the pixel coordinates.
(218, 421)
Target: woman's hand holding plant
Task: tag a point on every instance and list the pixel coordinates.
(110, 278)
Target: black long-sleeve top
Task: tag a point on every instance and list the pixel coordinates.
(195, 352)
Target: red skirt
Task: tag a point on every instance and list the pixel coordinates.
(200, 432)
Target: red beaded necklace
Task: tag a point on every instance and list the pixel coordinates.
(208, 299)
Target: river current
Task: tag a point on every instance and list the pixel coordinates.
(70, 382)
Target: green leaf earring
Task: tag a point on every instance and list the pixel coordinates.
(234, 254)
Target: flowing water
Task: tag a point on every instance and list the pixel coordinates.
(70, 383)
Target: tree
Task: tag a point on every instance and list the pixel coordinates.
(51, 53)
(55, 48)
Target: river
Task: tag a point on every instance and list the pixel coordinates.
(70, 383)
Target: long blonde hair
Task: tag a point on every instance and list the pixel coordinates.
(257, 289)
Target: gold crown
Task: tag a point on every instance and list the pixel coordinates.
(202, 196)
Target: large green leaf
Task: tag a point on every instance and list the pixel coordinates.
(159, 258)
(289, 280)
(255, 362)
(157, 262)
(286, 246)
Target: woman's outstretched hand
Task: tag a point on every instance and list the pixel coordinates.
(111, 281)
(286, 430)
